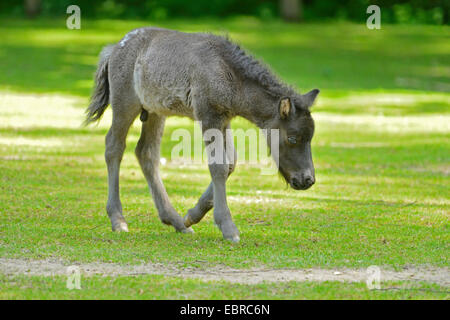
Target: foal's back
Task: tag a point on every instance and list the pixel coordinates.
(166, 71)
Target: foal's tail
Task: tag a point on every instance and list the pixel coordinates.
(100, 96)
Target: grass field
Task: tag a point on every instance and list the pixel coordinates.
(159, 287)
(381, 153)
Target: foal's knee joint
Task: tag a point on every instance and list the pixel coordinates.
(141, 152)
(219, 171)
(113, 154)
(113, 148)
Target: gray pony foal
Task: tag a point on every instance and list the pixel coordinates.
(158, 73)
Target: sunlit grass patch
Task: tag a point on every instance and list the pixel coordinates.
(387, 124)
(385, 102)
(25, 111)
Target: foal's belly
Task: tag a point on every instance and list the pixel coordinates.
(166, 105)
(164, 101)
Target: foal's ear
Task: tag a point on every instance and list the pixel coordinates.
(309, 98)
(285, 108)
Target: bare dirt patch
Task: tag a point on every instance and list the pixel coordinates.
(439, 276)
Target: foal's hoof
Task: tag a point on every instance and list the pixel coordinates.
(120, 227)
(233, 239)
(188, 230)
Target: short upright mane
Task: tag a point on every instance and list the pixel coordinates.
(253, 69)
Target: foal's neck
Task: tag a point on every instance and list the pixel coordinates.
(258, 106)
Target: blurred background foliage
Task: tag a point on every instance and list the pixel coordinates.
(392, 11)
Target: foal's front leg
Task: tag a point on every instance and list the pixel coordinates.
(219, 167)
(148, 154)
(205, 203)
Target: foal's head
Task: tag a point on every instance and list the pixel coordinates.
(296, 129)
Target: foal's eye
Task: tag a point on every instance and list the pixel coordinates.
(292, 140)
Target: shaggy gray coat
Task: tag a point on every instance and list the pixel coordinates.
(159, 73)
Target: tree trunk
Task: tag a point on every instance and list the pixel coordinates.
(291, 10)
(32, 8)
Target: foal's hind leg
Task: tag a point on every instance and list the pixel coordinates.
(205, 203)
(115, 146)
(148, 154)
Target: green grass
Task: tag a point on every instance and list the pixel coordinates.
(329, 56)
(381, 153)
(159, 287)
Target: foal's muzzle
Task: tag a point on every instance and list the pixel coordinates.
(302, 184)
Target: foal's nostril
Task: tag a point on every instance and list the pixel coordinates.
(296, 183)
(309, 181)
